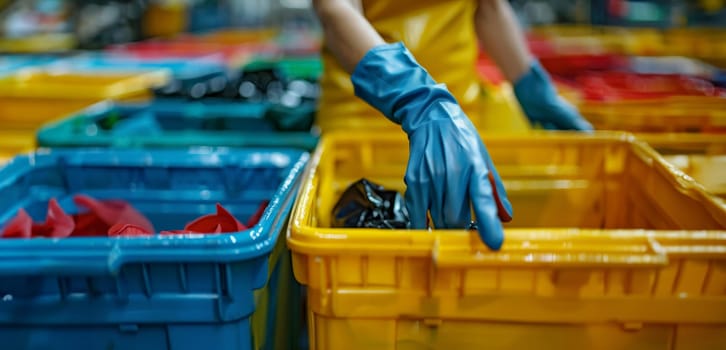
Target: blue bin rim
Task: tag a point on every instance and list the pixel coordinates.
(119, 63)
(104, 255)
(57, 134)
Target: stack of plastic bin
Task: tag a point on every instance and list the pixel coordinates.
(652, 103)
(217, 291)
(609, 249)
(178, 123)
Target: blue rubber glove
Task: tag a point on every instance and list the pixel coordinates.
(543, 106)
(449, 169)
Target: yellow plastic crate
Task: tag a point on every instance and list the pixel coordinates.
(677, 114)
(617, 40)
(500, 110)
(707, 44)
(13, 143)
(239, 36)
(52, 42)
(34, 97)
(582, 266)
(165, 19)
(702, 157)
(63, 84)
(373, 121)
(29, 114)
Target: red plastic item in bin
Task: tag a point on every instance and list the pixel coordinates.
(21, 226)
(116, 218)
(57, 224)
(103, 215)
(128, 230)
(221, 222)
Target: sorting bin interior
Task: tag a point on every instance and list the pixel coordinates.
(701, 156)
(192, 187)
(604, 181)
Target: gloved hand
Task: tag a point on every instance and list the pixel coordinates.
(449, 169)
(543, 105)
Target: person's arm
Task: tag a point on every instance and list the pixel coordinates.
(347, 34)
(449, 170)
(500, 35)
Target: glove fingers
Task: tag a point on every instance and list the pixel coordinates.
(568, 118)
(417, 205)
(417, 190)
(485, 207)
(437, 172)
(457, 201)
(550, 126)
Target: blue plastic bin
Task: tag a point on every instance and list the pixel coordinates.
(181, 123)
(11, 63)
(160, 292)
(104, 62)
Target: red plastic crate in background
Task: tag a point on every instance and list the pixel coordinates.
(488, 70)
(540, 45)
(187, 49)
(613, 86)
(573, 65)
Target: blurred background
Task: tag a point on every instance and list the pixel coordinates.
(176, 106)
(95, 23)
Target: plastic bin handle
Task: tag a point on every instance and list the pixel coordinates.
(554, 250)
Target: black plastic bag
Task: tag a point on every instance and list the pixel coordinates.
(367, 205)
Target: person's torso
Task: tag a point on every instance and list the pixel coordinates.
(441, 36)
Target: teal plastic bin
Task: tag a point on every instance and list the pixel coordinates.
(309, 68)
(184, 123)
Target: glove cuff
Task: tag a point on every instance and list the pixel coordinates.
(535, 85)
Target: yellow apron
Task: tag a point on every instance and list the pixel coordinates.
(441, 36)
